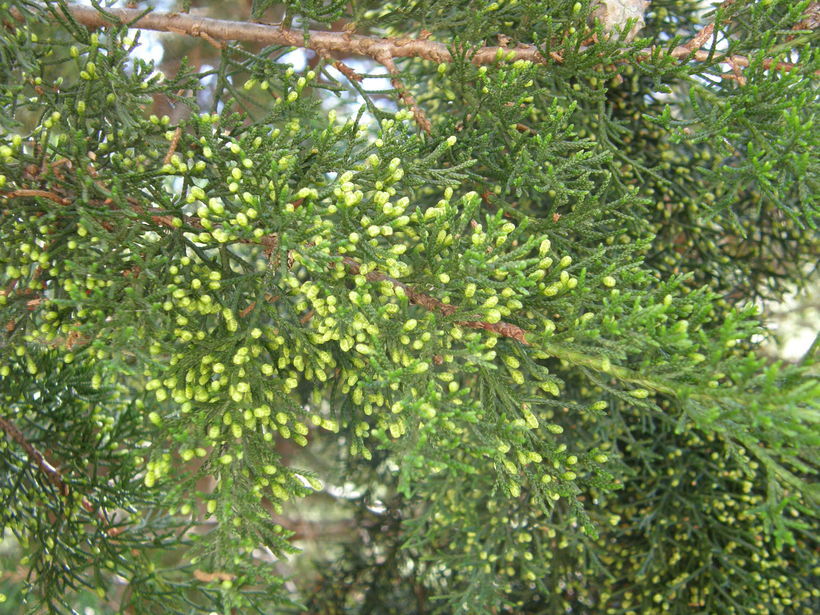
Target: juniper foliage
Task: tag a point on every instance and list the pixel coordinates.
(508, 300)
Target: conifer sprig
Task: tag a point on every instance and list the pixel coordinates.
(492, 310)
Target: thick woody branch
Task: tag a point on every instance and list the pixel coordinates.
(325, 43)
(225, 30)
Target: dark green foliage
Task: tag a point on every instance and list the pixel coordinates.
(516, 358)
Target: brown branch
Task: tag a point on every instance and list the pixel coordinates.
(404, 94)
(323, 42)
(51, 196)
(347, 71)
(45, 194)
(430, 303)
(52, 474)
(226, 30)
(738, 74)
(735, 60)
(203, 35)
(343, 68)
(173, 147)
(270, 242)
(700, 38)
(209, 577)
(692, 49)
(504, 329)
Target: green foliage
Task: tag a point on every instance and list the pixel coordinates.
(524, 340)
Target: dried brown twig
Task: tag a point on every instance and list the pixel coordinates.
(45, 194)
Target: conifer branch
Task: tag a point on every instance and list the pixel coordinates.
(54, 476)
(599, 364)
(37, 458)
(270, 242)
(502, 328)
(325, 43)
(404, 94)
(154, 264)
(811, 18)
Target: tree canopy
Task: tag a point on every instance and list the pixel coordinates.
(460, 297)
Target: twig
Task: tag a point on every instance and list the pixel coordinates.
(738, 74)
(343, 68)
(700, 38)
(209, 577)
(53, 475)
(404, 94)
(173, 147)
(504, 329)
(36, 457)
(25, 192)
(347, 71)
(735, 62)
(247, 310)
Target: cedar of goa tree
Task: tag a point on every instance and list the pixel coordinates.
(484, 330)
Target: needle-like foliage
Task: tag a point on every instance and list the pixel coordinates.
(426, 307)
